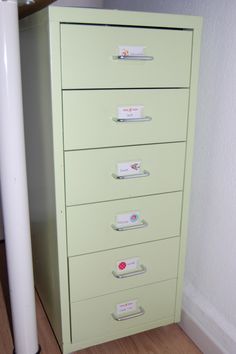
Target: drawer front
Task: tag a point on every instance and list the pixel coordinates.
(90, 176)
(89, 117)
(88, 57)
(93, 318)
(123, 268)
(161, 215)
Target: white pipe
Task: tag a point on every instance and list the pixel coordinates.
(14, 185)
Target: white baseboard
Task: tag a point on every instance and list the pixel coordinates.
(208, 329)
(205, 343)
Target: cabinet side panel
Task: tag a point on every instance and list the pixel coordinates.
(188, 165)
(40, 168)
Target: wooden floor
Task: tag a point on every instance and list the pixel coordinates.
(165, 340)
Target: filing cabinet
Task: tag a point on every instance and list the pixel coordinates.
(109, 105)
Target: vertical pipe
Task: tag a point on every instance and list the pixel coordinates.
(14, 185)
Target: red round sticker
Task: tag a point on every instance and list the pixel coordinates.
(122, 265)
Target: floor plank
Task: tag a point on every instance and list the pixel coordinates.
(165, 340)
(6, 344)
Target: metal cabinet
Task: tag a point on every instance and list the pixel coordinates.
(109, 104)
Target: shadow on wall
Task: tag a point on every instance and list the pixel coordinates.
(1, 221)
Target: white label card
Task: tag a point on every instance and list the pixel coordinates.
(127, 50)
(129, 112)
(129, 168)
(128, 219)
(127, 265)
(129, 306)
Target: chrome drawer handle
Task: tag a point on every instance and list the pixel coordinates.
(128, 317)
(133, 57)
(131, 227)
(140, 271)
(131, 120)
(138, 175)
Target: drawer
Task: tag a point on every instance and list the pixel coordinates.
(90, 117)
(93, 318)
(122, 268)
(89, 57)
(160, 216)
(90, 174)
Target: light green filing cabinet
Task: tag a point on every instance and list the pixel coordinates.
(109, 103)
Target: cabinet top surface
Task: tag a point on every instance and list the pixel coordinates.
(77, 15)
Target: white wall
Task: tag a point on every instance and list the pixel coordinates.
(210, 281)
